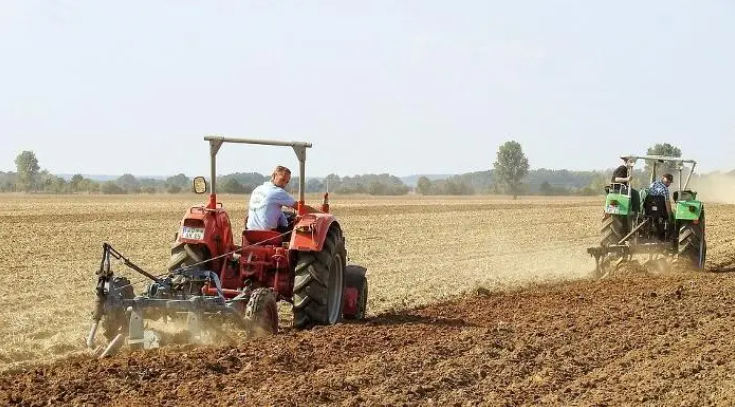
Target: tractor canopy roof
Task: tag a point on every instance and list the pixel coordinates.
(658, 158)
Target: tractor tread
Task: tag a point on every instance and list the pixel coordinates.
(262, 311)
(691, 238)
(311, 291)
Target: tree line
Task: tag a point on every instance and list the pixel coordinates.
(510, 175)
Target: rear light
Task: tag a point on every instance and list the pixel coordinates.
(613, 203)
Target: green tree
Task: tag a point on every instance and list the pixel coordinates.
(7, 181)
(545, 188)
(332, 182)
(93, 187)
(232, 186)
(666, 150)
(76, 182)
(180, 180)
(27, 168)
(511, 166)
(129, 183)
(597, 185)
(111, 188)
(377, 188)
(173, 189)
(57, 185)
(314, 185)
(423, 185)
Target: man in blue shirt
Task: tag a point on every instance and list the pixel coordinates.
(661, 188)
(264, 211)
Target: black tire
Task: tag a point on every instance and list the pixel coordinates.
(115, 321)
(319, 283)
(262, 312)
(358, 281)
(184, 254)
(692, 244)
(614, 228)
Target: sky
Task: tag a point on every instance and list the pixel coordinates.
(398, 86)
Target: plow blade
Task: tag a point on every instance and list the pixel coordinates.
(123, 314)
(197, 310)
(609, 258)
(624, 249)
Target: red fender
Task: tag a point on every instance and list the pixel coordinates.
(310, 231)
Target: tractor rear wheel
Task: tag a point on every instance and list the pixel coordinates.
(262, 312)
(184, 254)
(692, 244)
(614, 229)
(116, 322)
(319, 283)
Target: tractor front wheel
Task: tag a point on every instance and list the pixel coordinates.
(262, 312)
(319, 283)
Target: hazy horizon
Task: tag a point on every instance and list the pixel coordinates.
(406, 88)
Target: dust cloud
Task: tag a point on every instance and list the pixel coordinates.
(715, 188)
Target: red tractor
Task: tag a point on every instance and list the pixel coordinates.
(211, 277)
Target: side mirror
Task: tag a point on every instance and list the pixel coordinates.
(200, 185)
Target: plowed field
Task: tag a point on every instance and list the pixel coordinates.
(448, 324)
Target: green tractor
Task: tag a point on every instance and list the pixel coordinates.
(636, 223)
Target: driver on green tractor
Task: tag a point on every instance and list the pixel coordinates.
(661, 188)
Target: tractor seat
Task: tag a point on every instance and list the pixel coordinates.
(263, 237)
(654, 207)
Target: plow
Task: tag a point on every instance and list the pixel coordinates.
(637, 225)
(212, 282)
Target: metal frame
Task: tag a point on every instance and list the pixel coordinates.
(196, 306)
(299, 147)
(659, 159)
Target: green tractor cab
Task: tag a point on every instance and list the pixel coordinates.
(636, 223)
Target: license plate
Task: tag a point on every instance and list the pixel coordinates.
(192, 233)
(613, 209)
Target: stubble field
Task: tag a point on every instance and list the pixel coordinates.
(419, 251)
